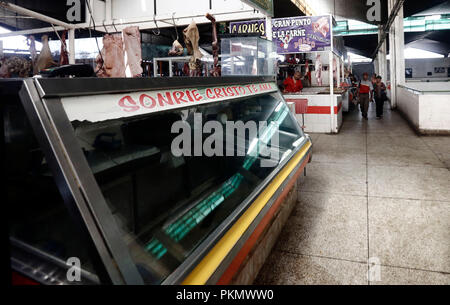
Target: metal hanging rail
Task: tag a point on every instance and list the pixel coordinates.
(30, 13)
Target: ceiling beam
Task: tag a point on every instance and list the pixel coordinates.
(30, 13)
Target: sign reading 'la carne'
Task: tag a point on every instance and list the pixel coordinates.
(292, 34)
(112, 106)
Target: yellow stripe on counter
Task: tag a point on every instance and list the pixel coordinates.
(204, 270)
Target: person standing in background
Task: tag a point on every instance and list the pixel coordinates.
(293, 84)
(380, 96)
(365, 94)
(373, 79)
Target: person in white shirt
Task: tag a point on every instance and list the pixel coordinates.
(365, 94)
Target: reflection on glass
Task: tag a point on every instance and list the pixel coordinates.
(166, 205)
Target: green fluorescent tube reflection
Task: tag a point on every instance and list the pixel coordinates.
(182, 226)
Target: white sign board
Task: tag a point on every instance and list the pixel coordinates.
(96, 108)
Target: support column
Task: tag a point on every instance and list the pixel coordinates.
(338, 72)
(71, 46)
(381, 57)
(269, 38)
(269, 28)
(396, 51)
(376, 65)
(400, 47)
(330, 75)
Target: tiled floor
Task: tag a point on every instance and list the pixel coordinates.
(376, 201)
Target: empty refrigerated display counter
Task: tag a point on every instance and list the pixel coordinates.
(147, 181)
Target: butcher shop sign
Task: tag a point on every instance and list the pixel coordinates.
(98, 108)
(292, 35)
(302, 34)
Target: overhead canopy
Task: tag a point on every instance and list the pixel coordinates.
(434, 41)
(357, 9)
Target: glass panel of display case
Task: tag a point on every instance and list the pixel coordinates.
(166, 204)
(43, 235)
(248, 56)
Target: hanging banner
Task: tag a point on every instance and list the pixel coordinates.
(302, 34)
(293, 34)
(265, 6)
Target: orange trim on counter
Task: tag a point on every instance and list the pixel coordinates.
(248, 246)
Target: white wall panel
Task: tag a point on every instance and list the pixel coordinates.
(408, 103)
(434, 112)
(180, 7)
(229, 5)
(131, 9)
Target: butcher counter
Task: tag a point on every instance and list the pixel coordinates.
(96, 176)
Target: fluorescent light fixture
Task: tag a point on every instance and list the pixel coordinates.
(433, 17)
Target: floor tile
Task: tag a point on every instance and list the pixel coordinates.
(410, 233)
(394, 155)
(439, 144)
(428, 183)
(342, 141)
(402, 276)
(342, 155)
(347, 179)
(314, 137)
(376, 141)
(327, 225)
(289, 269)
(325, 240)
(445, 158)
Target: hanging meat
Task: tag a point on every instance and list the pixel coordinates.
(45, 59)
(318, 68)
(215, 46)
(64, 56)
(177, 49)
(111, 61)
(33, 53)
(191, 38)
(133, 51)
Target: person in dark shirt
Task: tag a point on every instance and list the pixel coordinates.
(293, 84)
(380, 96)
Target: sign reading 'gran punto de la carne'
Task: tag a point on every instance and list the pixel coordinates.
(104, 107)
(292, 34)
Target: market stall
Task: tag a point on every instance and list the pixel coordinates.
(309, 46)
(132, 206)
(313, 37)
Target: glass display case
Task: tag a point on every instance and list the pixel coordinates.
(248, 56)
(92, 172)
